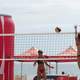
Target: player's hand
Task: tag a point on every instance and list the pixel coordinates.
(34, 64)
(51, 67)
(75, 27)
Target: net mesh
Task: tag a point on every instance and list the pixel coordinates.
(50, 43)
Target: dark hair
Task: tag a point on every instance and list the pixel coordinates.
(63, 72)
(79, 35)
(40, 52)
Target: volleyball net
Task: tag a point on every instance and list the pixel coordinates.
(55, 46)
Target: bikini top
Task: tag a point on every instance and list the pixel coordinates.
(40, 61)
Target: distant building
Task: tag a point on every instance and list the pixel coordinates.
(18, 77)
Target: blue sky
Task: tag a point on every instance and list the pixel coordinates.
(31, 16)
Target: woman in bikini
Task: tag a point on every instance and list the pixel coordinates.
(41, 74)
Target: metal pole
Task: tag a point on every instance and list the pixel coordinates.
(21, 69)
(56, 67)
(49, 68)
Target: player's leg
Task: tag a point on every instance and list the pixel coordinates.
(38, 75)
(44, 76)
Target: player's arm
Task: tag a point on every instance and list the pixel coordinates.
(34, 63)
(75, 32)
(48, 65)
